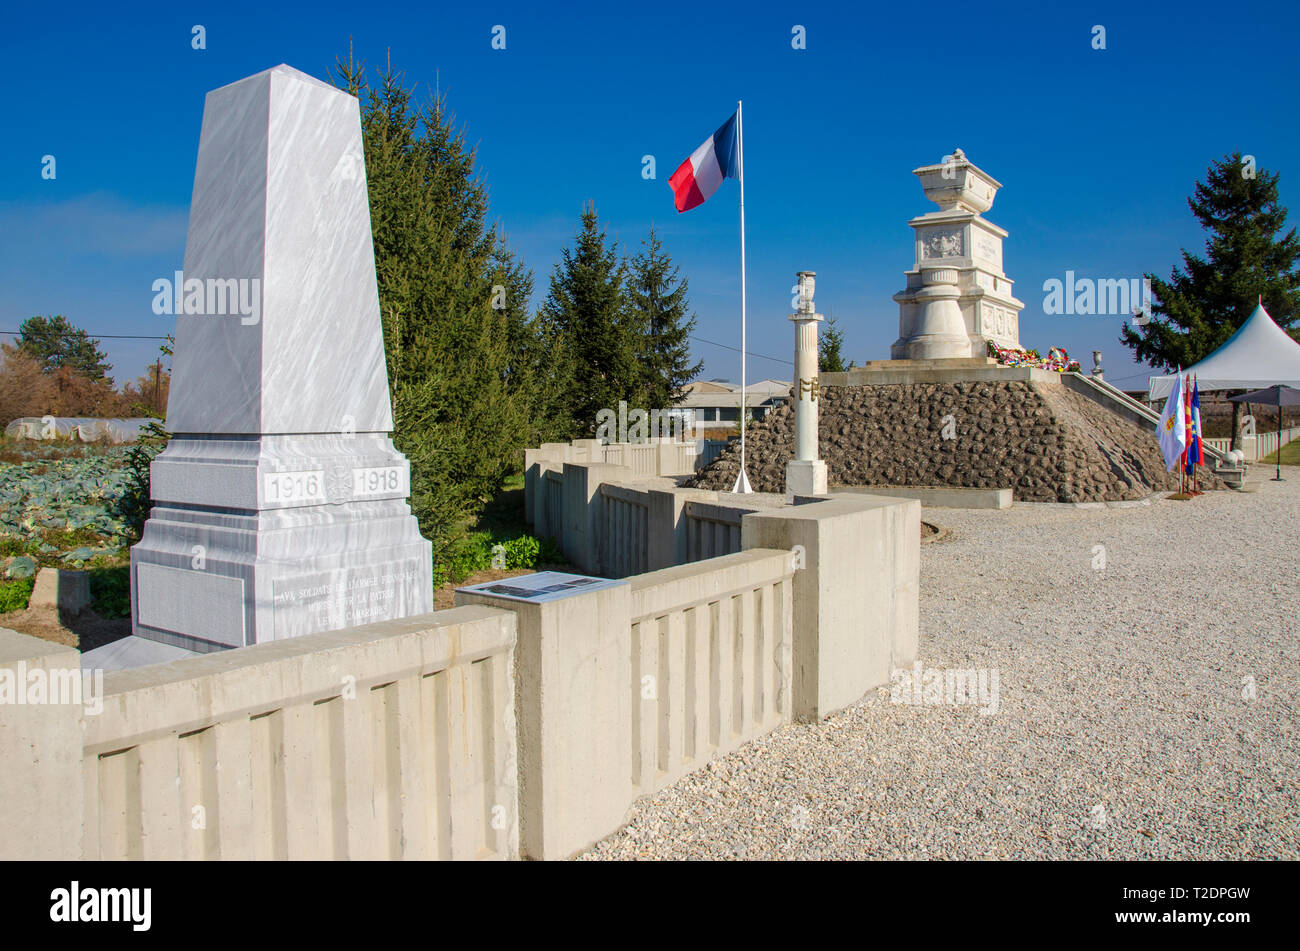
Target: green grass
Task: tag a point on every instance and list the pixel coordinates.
(15, 594)
(1290, 455)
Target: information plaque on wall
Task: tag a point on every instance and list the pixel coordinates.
(542, 586)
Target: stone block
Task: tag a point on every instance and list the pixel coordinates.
(856, 609)
(66, 591)
(42, 793)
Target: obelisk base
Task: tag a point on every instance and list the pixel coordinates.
(273, 537)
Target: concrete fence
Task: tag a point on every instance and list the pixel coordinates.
(612, 523)
(393, 740)
(624, 690)
(712, 529)
(501, 728)
(660, 458)
(1259, 446)
(624, 536)
(551, 508)
(656, 457)
(711, 656)
(710, 450)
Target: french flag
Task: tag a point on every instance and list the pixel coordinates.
(699, 176)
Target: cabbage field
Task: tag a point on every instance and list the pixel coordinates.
(58, 507)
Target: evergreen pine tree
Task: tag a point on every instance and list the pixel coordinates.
(1247, 261)
(597, 337)
(829, 356)
(657, 299)
(453, 301)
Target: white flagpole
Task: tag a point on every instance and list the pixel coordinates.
(742, 480)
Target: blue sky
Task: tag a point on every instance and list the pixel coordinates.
(1096, 149)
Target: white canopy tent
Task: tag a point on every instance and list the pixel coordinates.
(1259, 354)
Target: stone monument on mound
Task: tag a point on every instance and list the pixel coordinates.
(957, 294)
(280, 499)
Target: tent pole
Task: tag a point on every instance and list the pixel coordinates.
(1278, 477)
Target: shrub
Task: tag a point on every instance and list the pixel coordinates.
(135, 504)
(521, 552)
(110, 591)
(15, 594)
(474, 552)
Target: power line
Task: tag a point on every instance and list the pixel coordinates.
(724, 346)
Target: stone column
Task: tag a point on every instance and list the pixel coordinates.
(805, 474)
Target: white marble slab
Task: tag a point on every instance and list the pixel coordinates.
(280, 200)
(132, 651)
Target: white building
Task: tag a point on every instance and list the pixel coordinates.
(717, 402)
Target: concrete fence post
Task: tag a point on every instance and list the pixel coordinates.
(42, 792)
(588, 450)
(667, 542)
(573, 713)
(534, 470)
(532, 483)
(856, 613)
(582, 510)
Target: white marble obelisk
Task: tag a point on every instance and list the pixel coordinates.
(805, 474)
(280, 500)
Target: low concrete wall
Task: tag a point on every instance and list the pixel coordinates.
(974, 370)
(66, 591)
(949, 497)
(393, 740)
(41, 786)
(856, 596)
(612, 523)
(1112, 398)
(664, 458)
(624, 690)
(623, 540)
(398, 739)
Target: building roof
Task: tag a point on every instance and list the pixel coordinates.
(757, 394)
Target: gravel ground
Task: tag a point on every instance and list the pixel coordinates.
(1126, 724)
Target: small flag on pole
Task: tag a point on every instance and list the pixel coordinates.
(699, 176)
(1172, 428)
(1195, 446)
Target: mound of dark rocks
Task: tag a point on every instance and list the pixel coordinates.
(1044, 441)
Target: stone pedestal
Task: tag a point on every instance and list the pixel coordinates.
(281, 501)
(957, 295)
(805, 477)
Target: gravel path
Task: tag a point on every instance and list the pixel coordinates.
(1125, 726)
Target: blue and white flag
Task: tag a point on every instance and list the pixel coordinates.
(1172, 428)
